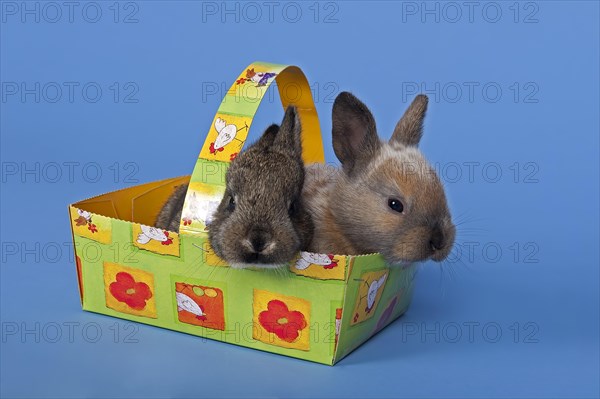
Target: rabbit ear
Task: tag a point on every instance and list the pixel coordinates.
(288, 140)
(409, 129)
(354, 132)
(268, 137)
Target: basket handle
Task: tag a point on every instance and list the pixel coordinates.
(229, 130)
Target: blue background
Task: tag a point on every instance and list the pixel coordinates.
(529, 286)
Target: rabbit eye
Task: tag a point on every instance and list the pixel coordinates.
(396, 205)
(231, 204)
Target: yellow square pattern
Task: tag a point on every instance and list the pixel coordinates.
(320, 266)
(369, 293)
(226, 137)
(281, 320)
(201, 202)
(129, 290)
(90, 225)
(156, 240)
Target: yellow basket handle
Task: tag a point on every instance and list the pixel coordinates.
(229, 131)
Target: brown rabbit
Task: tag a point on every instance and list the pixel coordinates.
(261, 220)
(386, 199)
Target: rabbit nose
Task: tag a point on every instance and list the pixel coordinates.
(259, 239)
(436, 242)
(258, 243)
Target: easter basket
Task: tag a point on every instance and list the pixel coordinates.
(319, 308)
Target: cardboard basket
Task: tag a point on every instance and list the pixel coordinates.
(319, 308)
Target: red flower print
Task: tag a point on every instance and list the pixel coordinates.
(202, 318)
(278, 319)
(168, 241)
(213, 150)
(232, 156)
(333, 263)
(187, 221)
(355, 317)
(127, 290)
(240, 81)
(92, 227)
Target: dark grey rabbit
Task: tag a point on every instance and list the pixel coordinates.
(261, 220)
